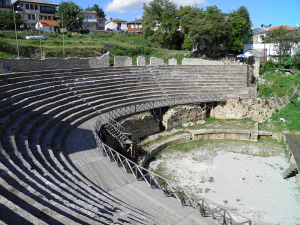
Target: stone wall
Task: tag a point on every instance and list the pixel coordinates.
(156, 61)
(141, 125)
(122, 61)
(181, 115)
(23, 65)
(246, 135)
(188, 61)
(257, 109)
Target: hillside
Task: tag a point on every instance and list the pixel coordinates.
(91, 45)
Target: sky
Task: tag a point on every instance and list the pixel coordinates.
(274, 12)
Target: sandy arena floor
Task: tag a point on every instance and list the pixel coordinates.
(243, 176)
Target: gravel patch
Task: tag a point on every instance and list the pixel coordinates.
(242, 176)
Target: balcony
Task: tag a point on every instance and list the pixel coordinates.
(90, 20)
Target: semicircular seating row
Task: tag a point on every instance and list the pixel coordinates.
(38, 182)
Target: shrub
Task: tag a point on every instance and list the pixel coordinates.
(296, 57)
(287, 62)
(269, 65)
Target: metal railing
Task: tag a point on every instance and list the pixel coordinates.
(169, 188)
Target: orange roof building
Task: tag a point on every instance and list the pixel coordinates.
(49, 25)
(276, 28)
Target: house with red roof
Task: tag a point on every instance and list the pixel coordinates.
(100, 24)
(90, 20)
(32, 10)
(261, 49)
(257, 37)
(49, 25)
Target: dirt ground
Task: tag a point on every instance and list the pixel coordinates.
(240, 175)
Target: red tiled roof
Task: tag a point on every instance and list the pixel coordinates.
(52, 23)
(276, 28)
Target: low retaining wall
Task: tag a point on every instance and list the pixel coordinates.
(204, 134)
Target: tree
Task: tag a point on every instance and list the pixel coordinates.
(72, 17)
(161, 23)
(247, 31)
(187, 15)
(208, 28)
(98, 10)
(283, 40)
(7, 20)
(235, 29)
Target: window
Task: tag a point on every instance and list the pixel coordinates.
(140, 25)
(36, 7)
(86, 17)
(90, 17)
(46, 9)
(50, 28)
(31, 6)
(27, 6)
(33, 17)
(2, 4)
(87, 26)
(91, 25)
(136, 26)
(29, 16)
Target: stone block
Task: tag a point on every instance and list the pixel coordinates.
(156, 61)
(141, 61)
(121, 61)
(172, 62)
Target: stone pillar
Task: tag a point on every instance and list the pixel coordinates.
(122, 61)
(156, 61)
(141, 61)
(173, 62)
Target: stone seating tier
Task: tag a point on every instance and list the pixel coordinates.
(39, 109)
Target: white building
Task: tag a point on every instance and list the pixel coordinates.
(49, 25)
(101, 23)
(115, 24)
(264, 50)
(90, 20)
(31, 10)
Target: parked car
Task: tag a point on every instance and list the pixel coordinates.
(42, 37)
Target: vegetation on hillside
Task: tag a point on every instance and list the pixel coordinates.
(278, 83)
(91, 45)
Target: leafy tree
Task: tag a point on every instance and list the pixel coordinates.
(96, 8)
(282, 40)
(247, 31)
(161, 23)
(209, 29)
(235, 25)
(187, 15)
(296, 57)
(7, 20)
(73, 18)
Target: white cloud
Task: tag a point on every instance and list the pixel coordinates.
(128, 6)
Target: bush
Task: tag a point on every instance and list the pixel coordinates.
(287, 62)
(296, 57)
(261, 71)
(269, 65)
